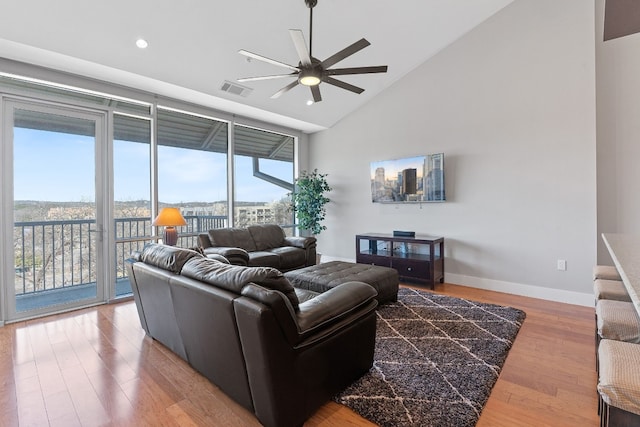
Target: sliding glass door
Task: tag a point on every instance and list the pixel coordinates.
(58, 227)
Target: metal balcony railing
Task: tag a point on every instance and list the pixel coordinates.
(59, 254)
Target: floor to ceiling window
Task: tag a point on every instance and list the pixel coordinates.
(131, 192)
(263, 177)
(192, 171)
(145, 156)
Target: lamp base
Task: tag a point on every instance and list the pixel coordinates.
(170, 236)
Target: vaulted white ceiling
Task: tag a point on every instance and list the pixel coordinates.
(193, 46)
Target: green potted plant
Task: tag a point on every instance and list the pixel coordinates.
(308, 201)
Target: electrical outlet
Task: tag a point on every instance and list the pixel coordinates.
(562, 265)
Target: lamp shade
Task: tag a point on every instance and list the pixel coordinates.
(169, 217)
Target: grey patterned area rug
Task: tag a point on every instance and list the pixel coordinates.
(436, 360)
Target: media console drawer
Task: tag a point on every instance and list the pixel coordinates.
(374, 260)
(411, 268)
(419, 258)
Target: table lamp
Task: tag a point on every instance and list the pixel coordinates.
(169, 218)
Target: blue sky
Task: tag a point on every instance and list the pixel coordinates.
(52, 166)
(393, 167)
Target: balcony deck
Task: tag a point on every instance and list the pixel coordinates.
(60, 296)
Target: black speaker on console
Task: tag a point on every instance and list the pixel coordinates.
(398, 233)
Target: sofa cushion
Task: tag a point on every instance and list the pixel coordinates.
(305, 294)
(290, 257)
(167, 257)
(280, 283)
(264, 259)
(232, 237)
(234, 277)
(267, 236)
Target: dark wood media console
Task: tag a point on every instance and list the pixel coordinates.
(419, 258)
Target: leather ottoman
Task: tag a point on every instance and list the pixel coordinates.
(322, 277)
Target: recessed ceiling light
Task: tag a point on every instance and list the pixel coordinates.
(309, 102)
(142, 43)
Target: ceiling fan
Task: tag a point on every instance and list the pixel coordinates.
(311, 71)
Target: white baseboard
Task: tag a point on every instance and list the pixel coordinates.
(327, 258)
(549, 294)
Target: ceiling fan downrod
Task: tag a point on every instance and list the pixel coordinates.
(311, 4)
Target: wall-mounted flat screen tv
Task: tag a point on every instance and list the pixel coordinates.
(412, 179)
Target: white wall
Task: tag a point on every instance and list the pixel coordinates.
(512, 106)
(618, 93)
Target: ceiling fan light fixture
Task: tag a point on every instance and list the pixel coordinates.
(309, 78)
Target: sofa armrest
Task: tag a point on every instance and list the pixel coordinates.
(308, 244)
(300, 242)
(333, 305)
(218, 257)
(319, 317)
(235, 256)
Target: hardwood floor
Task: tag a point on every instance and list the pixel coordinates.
(96, 367)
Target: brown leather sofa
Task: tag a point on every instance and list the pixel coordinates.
(279, 351)
(260, 246)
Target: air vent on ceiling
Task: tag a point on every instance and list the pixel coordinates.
(235, 89)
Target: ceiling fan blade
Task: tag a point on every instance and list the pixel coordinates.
(285, 89)
(315, 91)
(347, 51)
(277, 76)
(268, 60)
(356, 70)
(343, 85)
(301, 46)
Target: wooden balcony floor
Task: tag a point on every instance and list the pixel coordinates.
(96, 367)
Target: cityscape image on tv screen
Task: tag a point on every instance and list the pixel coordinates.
(412, 179)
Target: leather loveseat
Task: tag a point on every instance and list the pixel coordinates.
(278, 351)
(260, 246)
